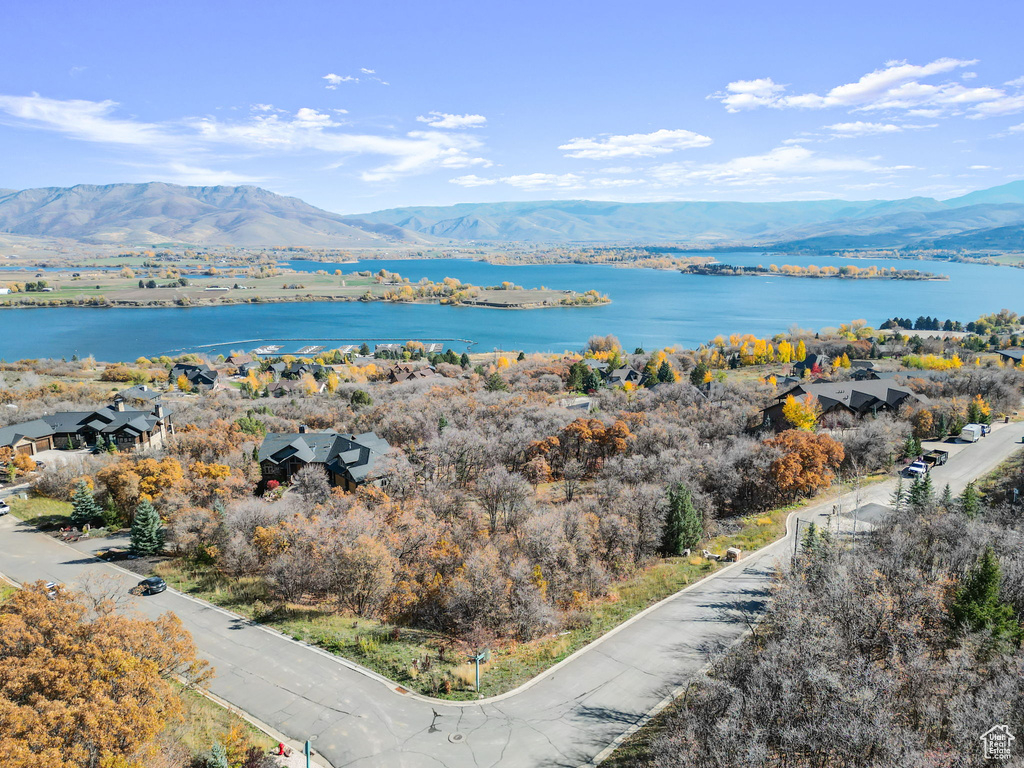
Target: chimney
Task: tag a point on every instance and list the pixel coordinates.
(120, 405)
(158, 411)
(302, 429)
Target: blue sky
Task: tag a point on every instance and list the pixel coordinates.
(360, 106)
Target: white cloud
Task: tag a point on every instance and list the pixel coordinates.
(453, 122)
(1015, 83)
(333, 81)
(528, 181)
(181, 173)
(366, 71)
(85, 120)
(635, 145)
(896, 86)
(1016, 128)
(472, 180)
(968, 75)
(980, 167)
(748, 94)
(307, 130)
(782, 164)
(861, 128)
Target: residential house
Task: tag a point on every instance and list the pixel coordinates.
(298, 369)
(811, 364)
(128, 429)
(859, 398)
(139, 395)
(199, 376)
(347, 459)
(1013, 356)
(627, 375)
(405, 372)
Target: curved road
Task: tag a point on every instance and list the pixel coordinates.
(567, 717)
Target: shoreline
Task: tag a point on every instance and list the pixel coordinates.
(302, 300)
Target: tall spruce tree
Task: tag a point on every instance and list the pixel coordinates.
(147, 536)
(84, 507)
(977, 606)
(683, 524)
(970, 501)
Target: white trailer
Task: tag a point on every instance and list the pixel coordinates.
(972, 433)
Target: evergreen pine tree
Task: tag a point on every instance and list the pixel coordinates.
(146, 535)
(698, 373)
(495, 383)
(521, 357)
(665, 373)
(970, 501)
(946, 502)
(464, 360)
(977, 606)
(899, 495)
(922, 494)
(84, 508)
(683, 524)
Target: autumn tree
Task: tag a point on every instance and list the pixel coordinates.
(81, 692)
(311, 484)
(808, 462)
(802, 414)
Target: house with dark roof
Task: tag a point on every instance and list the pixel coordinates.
(199, 376)
(1013, 356)
(627, 375)
(347, 459)
(298, 369)
(859, 398)
(139, 395)
(812, 363)
(405, 372)
(127, 429)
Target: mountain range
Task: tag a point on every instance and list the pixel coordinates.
(134, 214)
(818, 224)
(137, 214)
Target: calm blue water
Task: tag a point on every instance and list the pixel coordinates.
(649, 309)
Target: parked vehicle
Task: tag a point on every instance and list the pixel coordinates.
(4, 508)
(985, 429)
(972, 433)
(916, 469)
(936, 458)
(154, 585)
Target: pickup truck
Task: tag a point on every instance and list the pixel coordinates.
(915, 470)
(936, 458)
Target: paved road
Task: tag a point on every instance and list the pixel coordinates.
(564, 718)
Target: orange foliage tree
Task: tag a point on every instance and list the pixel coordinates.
(79, 690)
(808, 462)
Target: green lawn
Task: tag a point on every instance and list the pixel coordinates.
(41, 511)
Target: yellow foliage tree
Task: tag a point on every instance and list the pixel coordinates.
(183, 384)
(802, 414)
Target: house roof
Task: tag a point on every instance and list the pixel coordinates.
(140, 392)
(1012, 354)
(350, 455)
(106, 420)
(858, 396)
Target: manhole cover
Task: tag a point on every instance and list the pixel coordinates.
(456, 738)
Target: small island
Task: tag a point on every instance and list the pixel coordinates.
(846, 272)
(171, 287)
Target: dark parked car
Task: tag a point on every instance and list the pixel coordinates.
(154, 585)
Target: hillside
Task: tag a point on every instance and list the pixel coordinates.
(819, 224)
(133, 214)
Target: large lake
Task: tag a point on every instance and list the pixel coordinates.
(650, 309)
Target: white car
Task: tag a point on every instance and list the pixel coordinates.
(4, 508)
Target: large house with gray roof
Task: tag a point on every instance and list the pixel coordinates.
(859, 398)
(127, 429)
(347, 459)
